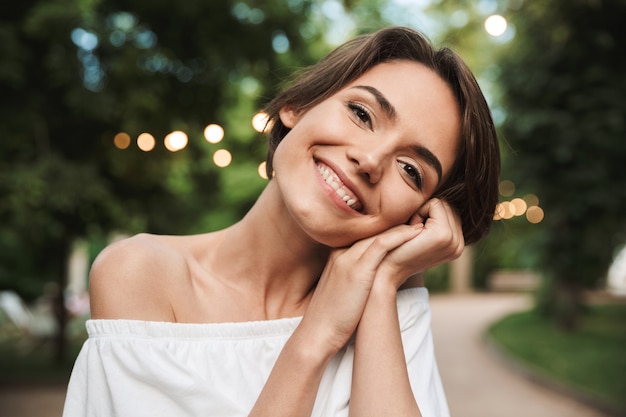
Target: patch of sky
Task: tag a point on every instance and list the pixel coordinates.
(508, 35)
(144, 38)
(240, 11)
(92, 73)
(459, 18)
(332, 9)
(487, 7)
(158, 62)
(280, 42)
(491, 72)
(117, 38)
(123, 21)
(492, 94)
(498, 114)
(246, 14)
(84, 40)
(249, 85)
(155, 63)
(184, 74)
(420, 4)
(256, 16)
(295, 5)
(411, 13)
(341, 26)
(307, 30)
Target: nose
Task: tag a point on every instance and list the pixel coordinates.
(369, 160)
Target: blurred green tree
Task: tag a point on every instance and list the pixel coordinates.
(563, 91)
(75, 73)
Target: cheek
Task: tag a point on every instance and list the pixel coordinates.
(400, 207)
(283, 154)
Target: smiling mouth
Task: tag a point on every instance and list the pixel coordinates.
(342, 191)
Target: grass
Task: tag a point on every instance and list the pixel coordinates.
(592, 360)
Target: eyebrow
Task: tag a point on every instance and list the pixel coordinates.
(430, 159)
(390, 111)
(387, 107)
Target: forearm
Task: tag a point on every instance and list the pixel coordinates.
(380, 381)
(291, 388)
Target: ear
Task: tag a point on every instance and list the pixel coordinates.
(288, 116)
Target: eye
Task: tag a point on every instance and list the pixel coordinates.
(413, 174)
(361, 113)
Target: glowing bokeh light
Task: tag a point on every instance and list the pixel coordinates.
(504, 210)
(262, 170)
(146, 142)
(214, 133)
(520, 206)
(506, 188)
(121, 140)
(528, 205)
(222, 158)
(176, 141)
(259, 122)
(496, 25)
(531, 200)
(498, 213)
(534, 214)
(508, 210)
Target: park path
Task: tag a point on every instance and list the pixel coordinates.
(477, 383)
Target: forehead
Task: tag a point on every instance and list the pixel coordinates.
(408, 80)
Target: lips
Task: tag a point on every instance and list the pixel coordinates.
(340, 188)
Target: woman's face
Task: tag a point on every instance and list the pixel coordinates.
(368, 157)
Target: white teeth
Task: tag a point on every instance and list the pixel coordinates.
(336, 184)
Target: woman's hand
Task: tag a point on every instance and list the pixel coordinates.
(441, 240)
(344, 286)
(387, 259)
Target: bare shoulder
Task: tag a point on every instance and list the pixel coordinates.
(130, 279)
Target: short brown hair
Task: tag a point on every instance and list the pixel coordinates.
(472, 185)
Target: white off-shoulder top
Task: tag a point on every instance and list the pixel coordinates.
(130, 368)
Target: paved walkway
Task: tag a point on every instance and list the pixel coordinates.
(477, 384)
(31, 401)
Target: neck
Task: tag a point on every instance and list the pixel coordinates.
(269, 258)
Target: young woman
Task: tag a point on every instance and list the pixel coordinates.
(384, 162)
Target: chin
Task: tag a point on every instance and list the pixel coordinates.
(336, 238)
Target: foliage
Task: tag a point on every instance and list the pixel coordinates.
(590, 359)
(75, 73)
(563, 89)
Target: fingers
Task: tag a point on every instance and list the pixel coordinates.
(377, 247)
(444, 221)
(416, 219)
(361, 261)
(441, 240)
(345, 284)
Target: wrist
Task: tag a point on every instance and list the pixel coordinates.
(390, 279)
(383, 291)
(314, 345)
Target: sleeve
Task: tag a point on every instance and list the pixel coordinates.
(122, 379)
(333, 396)
(415, 325)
